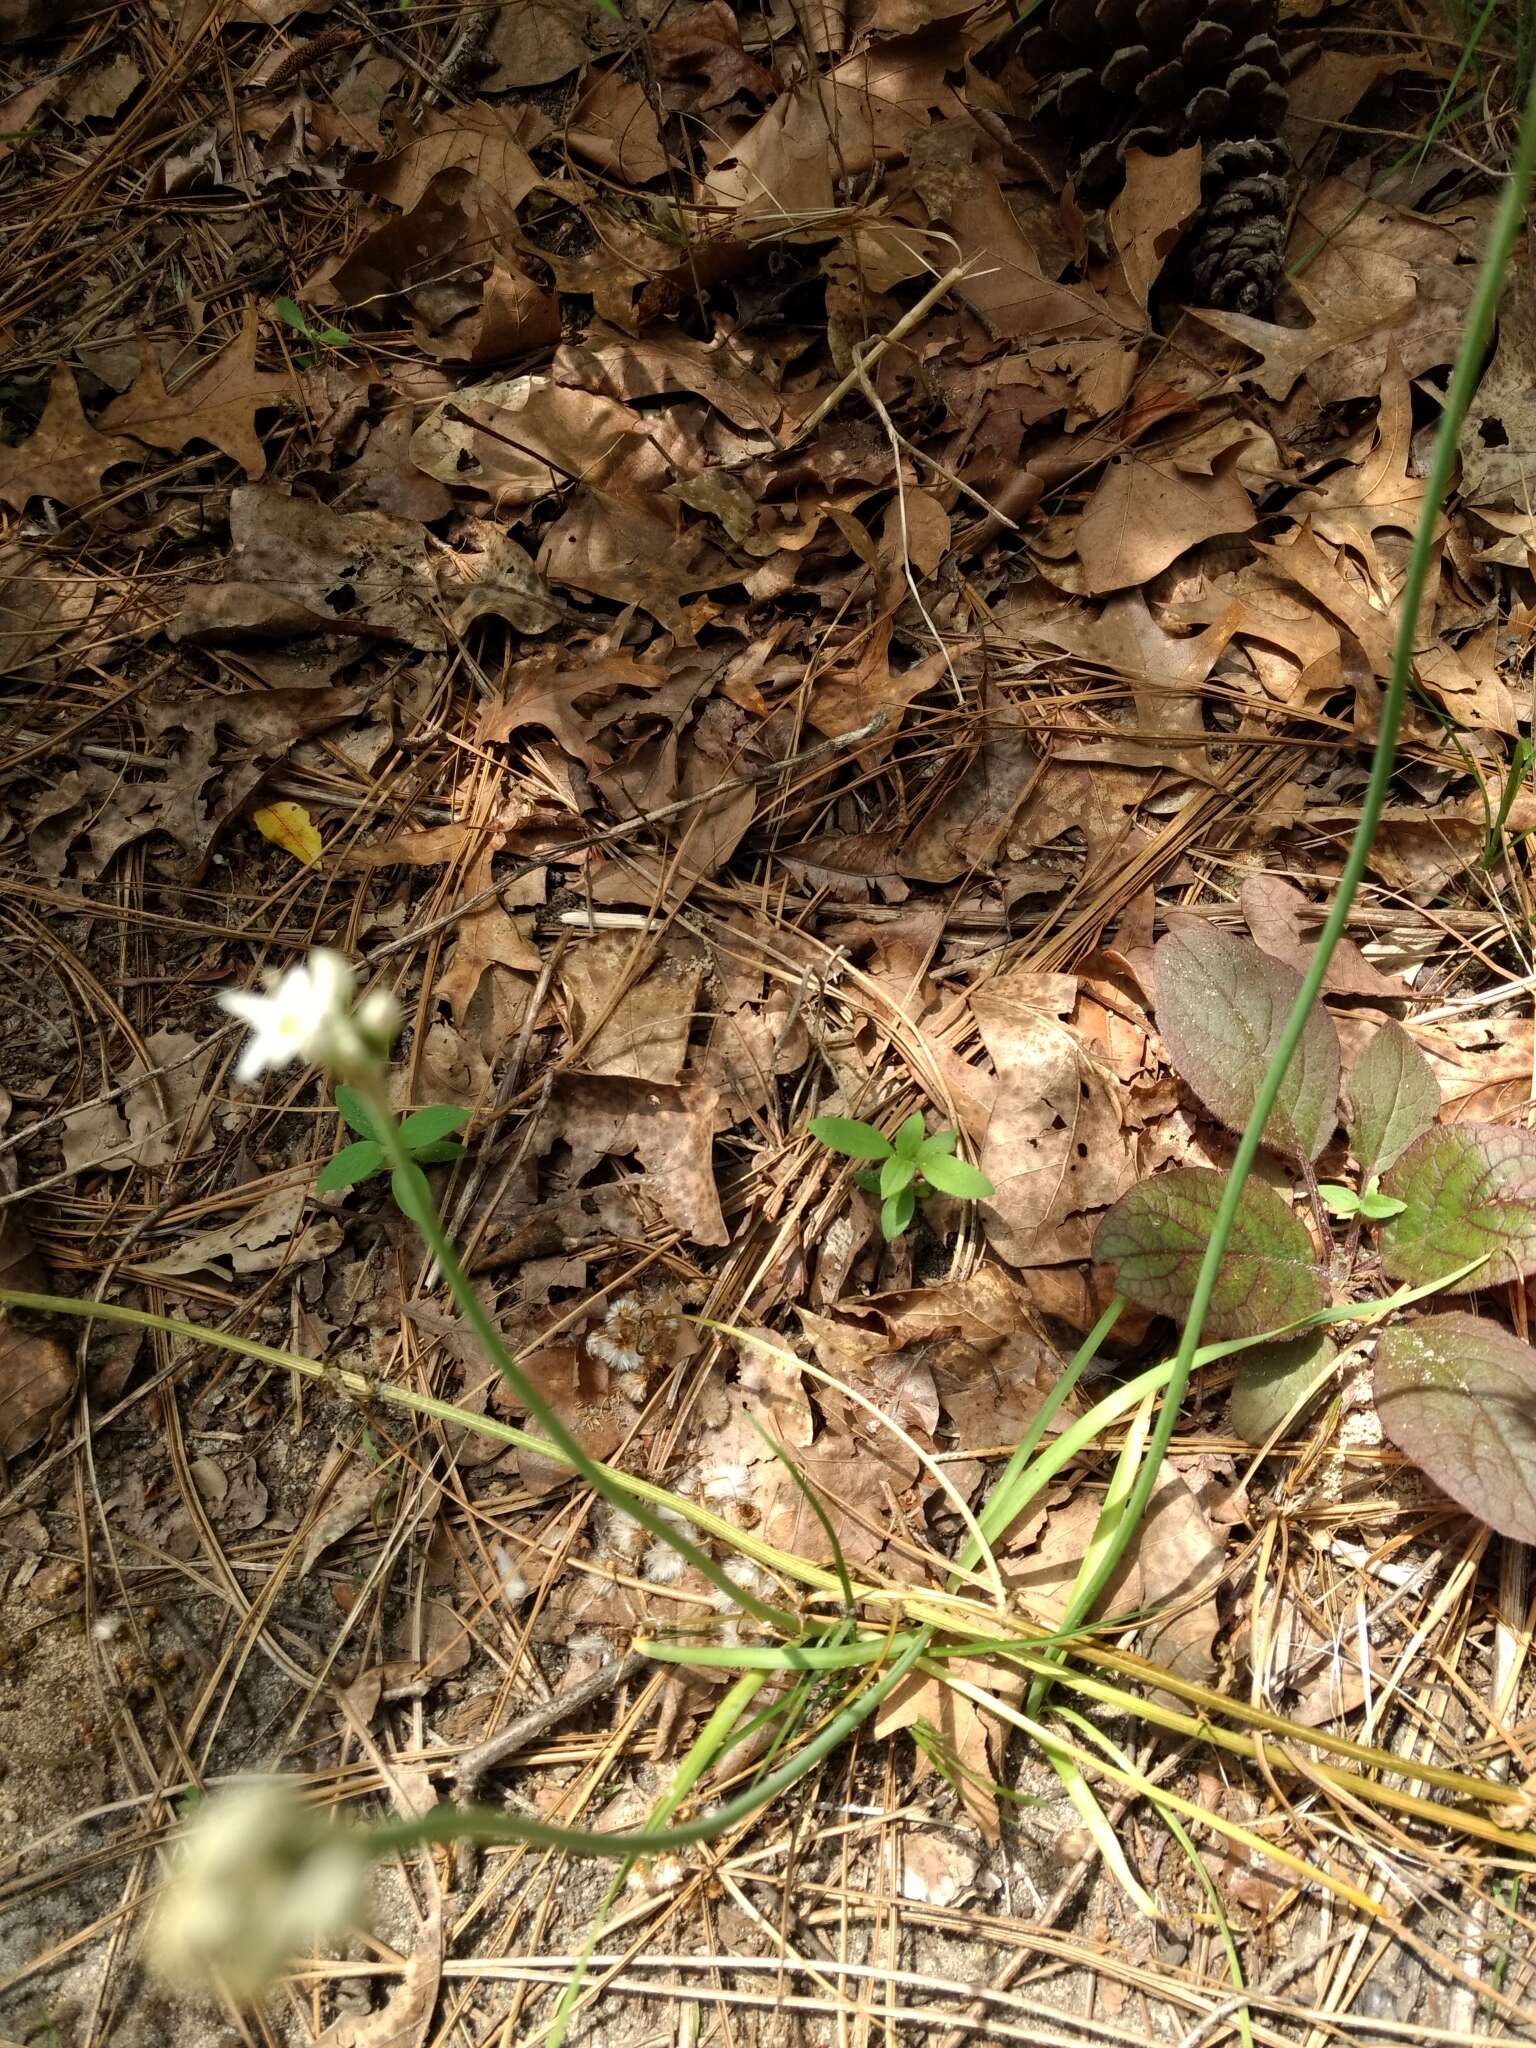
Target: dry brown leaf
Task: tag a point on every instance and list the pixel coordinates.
(97, 94)
(347, 1503)
(700, 53)
(1338, 322)
(540, 41)
(1361, 248)
(113, 812)
(670, 1130)
(613, 125)
(385, 479)
(968, 825)
(1160, 194)
(583, 1393)
(971, 1742)
(405, 2018)
(1057, 1150)
(64, 457)
(40, 602)
(268, 1236)
(521, 438)
(631, 1023)
(1325, 92)
(1308, 566)
(1145, 512)
(37, 1369)
(490, 142)
(231, 1490)
(158, 1130)
(660, 364)
(1375, 492)
(850, 689)
(1498, 440)
(1165, 675)
(1274, 912)
(1012, 289)
(295, 565)
(1177, 1556)
(514, 317)
(218, 403)
(490, 941)
(498, 580)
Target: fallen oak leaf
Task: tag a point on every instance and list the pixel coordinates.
(1287, 353)
(218, 403)
(64, 457)
(1145, 512)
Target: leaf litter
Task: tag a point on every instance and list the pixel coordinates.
(465, 506)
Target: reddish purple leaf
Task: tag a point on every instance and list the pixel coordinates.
(1468, 1189)
(1458, 1395)
(1155, 1237)
(1221, 1006)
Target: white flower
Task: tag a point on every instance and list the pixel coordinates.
(256, 1879)
(308, 1015)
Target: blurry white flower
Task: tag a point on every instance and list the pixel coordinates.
(307, 1014)
(256, 1879)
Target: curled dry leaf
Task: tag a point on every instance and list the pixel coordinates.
(349, 1502)
(270, 1235)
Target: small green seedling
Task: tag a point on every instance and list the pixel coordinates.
(1374, 1206)
(425, 1132)
(291, 316)
(914, 1164)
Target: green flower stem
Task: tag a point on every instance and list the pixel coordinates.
(706, 1746)
(1463, 386)
(487, 1825)
(414, 1198)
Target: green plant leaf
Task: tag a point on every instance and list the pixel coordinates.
(1376, 1208)
(1340, 1202)
(439, 1151)
(896, 1213)
(1393, 1099)
(940, 1142)
(1466, 1189)
(955, 1177)
(1221, 1006)
(426, 1126)
(1274, 1378)
(1458, 1396)
(849, 1136)
(896, 1174)
(290, 314)
(869, 1181)
(909, 1137)
(350, 1165)
(354, 1112)
(1154, 1237)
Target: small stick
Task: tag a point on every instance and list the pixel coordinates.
(876, 350)
(472, 1764)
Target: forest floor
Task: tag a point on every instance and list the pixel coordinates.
(667, 538)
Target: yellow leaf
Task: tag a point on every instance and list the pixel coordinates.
(292, 828)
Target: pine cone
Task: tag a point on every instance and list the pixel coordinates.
(1178, 72)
